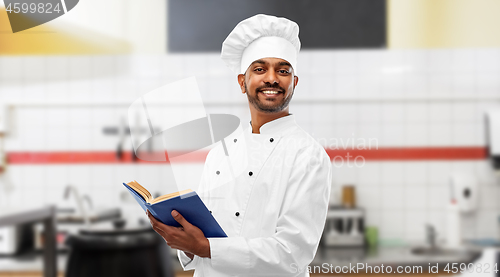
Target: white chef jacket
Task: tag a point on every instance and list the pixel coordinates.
(274, 212)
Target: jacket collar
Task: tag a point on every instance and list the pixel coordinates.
(277, 126)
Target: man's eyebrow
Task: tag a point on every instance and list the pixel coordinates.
(285, 63)
(259, 62)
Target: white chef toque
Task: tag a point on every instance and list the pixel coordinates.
(261, 36)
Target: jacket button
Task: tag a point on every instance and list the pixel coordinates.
(235, 140)
(210, 211)
(217, 172)
(237, 214)
(271, 140)
(250, 173)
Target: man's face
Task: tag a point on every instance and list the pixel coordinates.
(269, 84)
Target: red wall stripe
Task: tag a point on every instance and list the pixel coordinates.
(381, 154)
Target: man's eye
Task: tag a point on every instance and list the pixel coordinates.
(258, 69)
(283, 71)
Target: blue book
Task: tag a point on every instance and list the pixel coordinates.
(189, 206)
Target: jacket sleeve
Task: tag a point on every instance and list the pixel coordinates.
(299, 226)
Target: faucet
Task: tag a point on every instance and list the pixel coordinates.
(431, 236)
(79, 202)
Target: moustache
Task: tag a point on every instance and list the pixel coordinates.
(275, 86)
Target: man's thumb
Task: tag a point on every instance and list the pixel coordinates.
(179, 218)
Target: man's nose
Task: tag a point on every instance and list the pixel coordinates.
(271, 77)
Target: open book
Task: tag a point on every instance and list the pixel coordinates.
(189, 206)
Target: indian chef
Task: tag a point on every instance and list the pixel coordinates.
(274, 213)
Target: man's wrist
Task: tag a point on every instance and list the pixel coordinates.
(204, 251)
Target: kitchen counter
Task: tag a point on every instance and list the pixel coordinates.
(391, 256)
(29, 262)
(46, 215)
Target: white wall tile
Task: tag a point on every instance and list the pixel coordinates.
(368, 136)
(463, 60)
(415, 224)
(345, 61)
(36, 92)
(393, 135)
(465, 112)
(57, 67)
(392, 173)
(440, 134)
(57, 117)
(346, 86)
(34, 138)
(463, 167)
(11, 68)
(57, 139)
(369, 112)
(416, 198)
(440, 84)
(35, 68)
(438, 197)
(464, 134)
(488, 84)
(487, 197)
(369, 197)
(439, 173)
(487, 224)
(488, 60)
(393, 113)
(346, 172)
(417, 134)
(416, 59)
(440, 60)
(79, 67)
(464, 84)
(393, 225)
(393, 197)
(416, 173)
(416, 84)
(346, 113)
(369, 85)
(392, 86)
(57, 178)
(370, 61)
(416, 112)
(392, 60)
(370, 175)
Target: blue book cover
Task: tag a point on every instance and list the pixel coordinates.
(190, 206)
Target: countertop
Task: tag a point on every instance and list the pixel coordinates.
(394, 256)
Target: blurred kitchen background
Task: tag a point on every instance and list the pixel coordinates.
(407, 90)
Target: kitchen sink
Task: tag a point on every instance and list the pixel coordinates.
(446, 252)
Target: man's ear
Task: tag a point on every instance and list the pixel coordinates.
(241, 81)
(295, 81)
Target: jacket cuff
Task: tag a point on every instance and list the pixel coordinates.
(186, 262)
(227, 255)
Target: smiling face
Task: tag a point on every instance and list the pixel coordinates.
(269, 84)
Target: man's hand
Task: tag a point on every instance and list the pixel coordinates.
(187, 238)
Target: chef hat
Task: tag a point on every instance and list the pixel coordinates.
(261, 36)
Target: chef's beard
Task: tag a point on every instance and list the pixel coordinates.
(273, 108)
